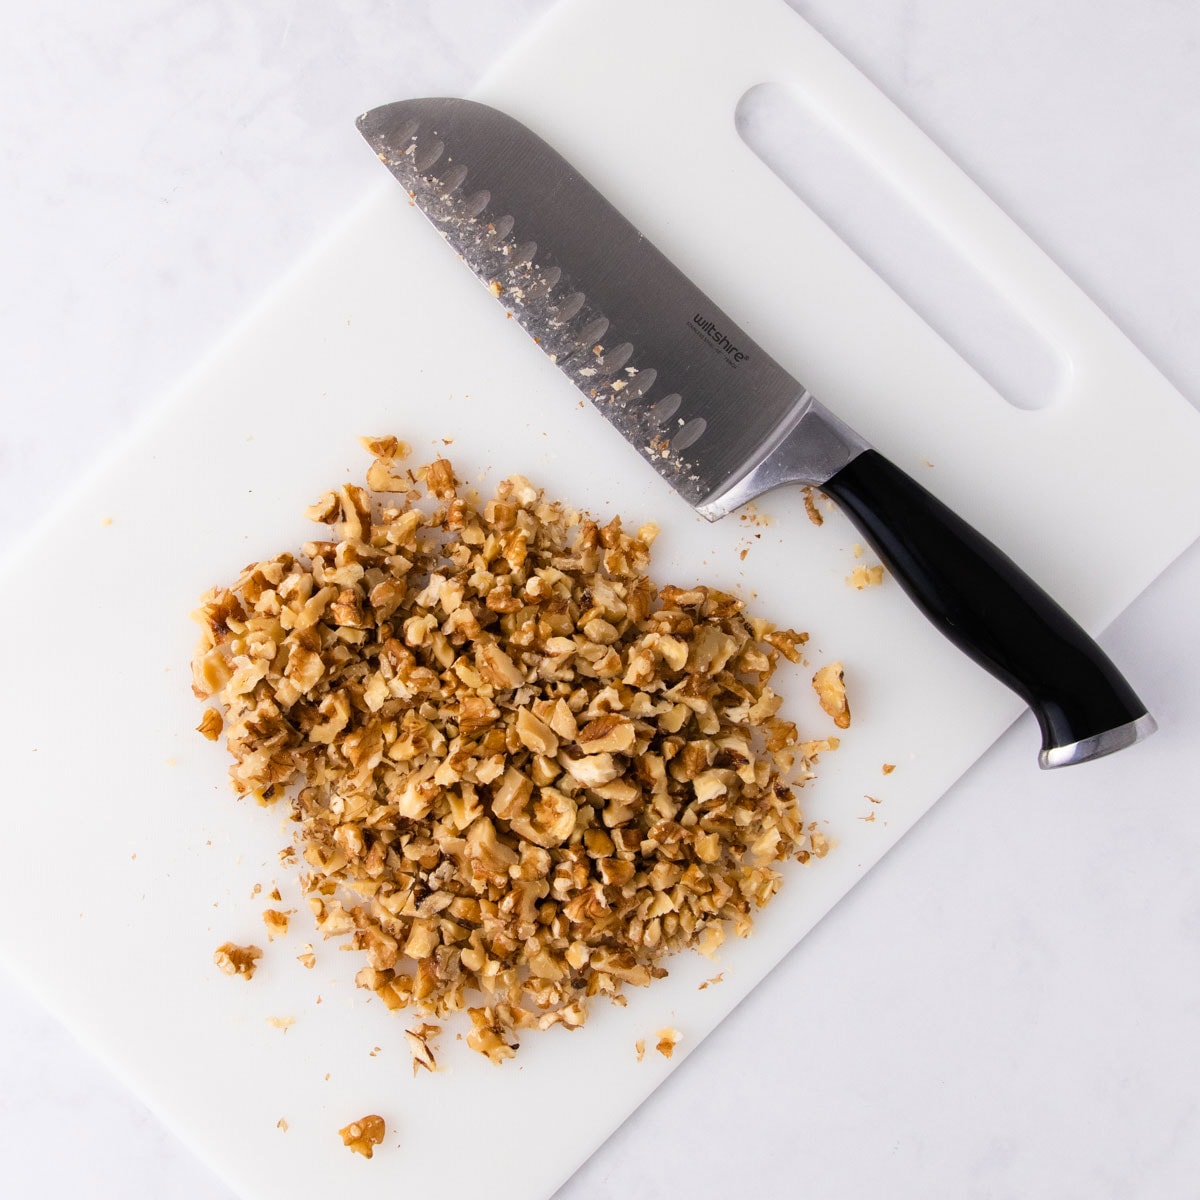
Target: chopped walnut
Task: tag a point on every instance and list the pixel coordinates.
(211, 724)
(385, 448)
(418, 1043)
(306, 958)
(487, 1035)
(865, 577)
(830, 686)
(363, 1135)
(276, 923)
(787, 642)
(810, 507)
(237, 960)
(812, 749)
(521, 773)
(668, 1039)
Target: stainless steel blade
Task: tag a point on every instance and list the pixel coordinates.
(695, 395)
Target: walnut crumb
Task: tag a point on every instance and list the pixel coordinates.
(888, 768)
(387, 448)
(237, 960)
(812, 749)
(211, 724)
(668, 1039)
(276, 922)
(865, 577)
(363, 1135)
(640, 1048)
(281, 1023)
(282, 1124)
(715, 979)
(306, 958)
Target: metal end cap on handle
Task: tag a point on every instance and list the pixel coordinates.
(1108, 742)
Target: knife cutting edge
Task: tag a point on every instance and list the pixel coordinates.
(715, 415)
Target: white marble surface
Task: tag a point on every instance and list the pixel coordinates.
(1007, 1005)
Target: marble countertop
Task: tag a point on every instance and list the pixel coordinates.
(1007, 1005)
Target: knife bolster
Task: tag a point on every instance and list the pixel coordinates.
(809, 448)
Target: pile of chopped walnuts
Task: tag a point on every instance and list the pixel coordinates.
(522, 773)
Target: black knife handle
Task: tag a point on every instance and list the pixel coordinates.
(988, 607)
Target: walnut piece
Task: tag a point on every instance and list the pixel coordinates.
(211, 724)
(865, 577)
(668, 1039)
(521, 773)
(830, 686)
(363, 1135)
(237, 960)
(418, 1043)
(276, 923)
(385, 448)
(810, 507)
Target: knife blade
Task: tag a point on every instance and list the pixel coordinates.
(715, 414)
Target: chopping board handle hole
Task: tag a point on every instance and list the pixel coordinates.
(886, 228)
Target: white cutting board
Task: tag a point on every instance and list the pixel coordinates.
(381, 331)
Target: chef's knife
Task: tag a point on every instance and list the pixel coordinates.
(715, 415)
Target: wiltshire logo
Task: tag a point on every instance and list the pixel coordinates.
(719, 339)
